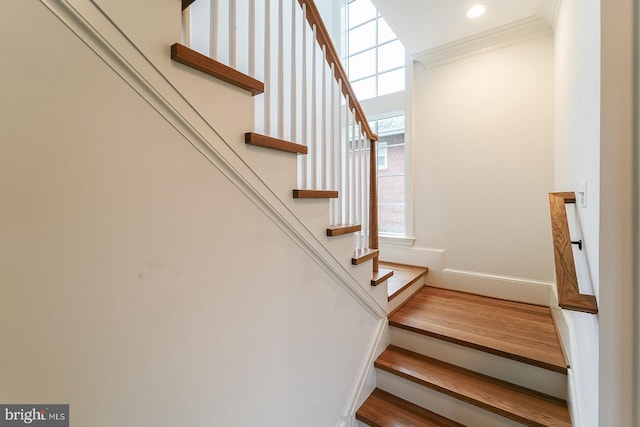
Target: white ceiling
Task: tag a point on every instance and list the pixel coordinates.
(424, 25)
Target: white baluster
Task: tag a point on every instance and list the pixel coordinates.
(331, 141)
(185, 36)
(233, 43)
(347, 165)
(214, 29)
(303, 170)
(338, 153)
(267, 67)
(362, 184)
(281, 65)
(353, 168)
(314, 111)
(347, 184)
(252, 38)
(322, 172)
(294, 77)
(356, 178)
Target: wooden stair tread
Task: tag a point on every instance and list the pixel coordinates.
(362, 255)
(341, 229)
(265, 141)
(203, 63)
(509, 400)
(382, 409)
(519, 331)
(380, 276)
(315, 194)
(404, 276)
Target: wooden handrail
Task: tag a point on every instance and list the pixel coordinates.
(324, 39)
(569, 296)
(373, 201)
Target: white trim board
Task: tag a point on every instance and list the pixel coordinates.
(512, 288)
(365, 380)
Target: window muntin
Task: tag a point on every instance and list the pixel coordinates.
(375, 55)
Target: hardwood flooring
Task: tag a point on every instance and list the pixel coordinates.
(518, 331)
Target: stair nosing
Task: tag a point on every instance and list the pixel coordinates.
(363, 255)
(342, 229)
(270, 142)
(384, 274)
(408, 284)
(315, 194)
(194, 59)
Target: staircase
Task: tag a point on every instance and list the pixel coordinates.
(461, 358)
(306, 110)
(455, 358)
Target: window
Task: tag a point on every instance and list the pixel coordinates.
(391, 174)
(375, 56)
(382, 156)
(375, 60)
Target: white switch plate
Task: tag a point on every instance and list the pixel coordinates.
(582, 194)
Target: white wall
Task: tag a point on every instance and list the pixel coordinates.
(577, 116)
(483, 158)
(139, 285)
(577, 158)
(619, 216)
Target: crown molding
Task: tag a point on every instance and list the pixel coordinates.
(513, 33)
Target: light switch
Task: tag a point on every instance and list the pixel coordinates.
(582, 194)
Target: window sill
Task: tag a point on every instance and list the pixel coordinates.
(389, 240)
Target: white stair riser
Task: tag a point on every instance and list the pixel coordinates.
(533, 377)
(404, 295)
(440, 403)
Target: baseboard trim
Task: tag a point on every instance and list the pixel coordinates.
(574, 398)
(359, 390)
(494, 285)
(513, 288)
(341, 423)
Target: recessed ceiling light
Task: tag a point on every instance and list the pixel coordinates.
(476, 11)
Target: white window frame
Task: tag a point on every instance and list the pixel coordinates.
(387, 106)
(375, 48)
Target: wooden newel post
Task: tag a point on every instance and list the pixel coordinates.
(373, 201)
